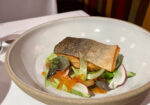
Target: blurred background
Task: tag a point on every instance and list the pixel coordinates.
(134, 11)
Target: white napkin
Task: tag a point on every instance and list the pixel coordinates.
(9, 37)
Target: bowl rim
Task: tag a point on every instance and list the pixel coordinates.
(45, 95)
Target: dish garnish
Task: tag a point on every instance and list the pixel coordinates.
(85, 67)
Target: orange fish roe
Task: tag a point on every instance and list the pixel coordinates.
(44, 73)
(47, 64)
(81, 76)
(78, 79)
(69, 82)
(99, 90)
(60, 86)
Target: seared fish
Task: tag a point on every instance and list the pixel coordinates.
(97, 54)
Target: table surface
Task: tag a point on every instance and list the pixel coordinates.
(15, 95)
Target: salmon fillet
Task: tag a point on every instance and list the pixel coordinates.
(97, 54)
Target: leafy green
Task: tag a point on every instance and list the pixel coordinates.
(53, 84)
(107, 75)
(52, 56)
(58, 63)
(95, 74)
(64, 88)
(56, 81)
(119, 61)
(108, 80)
(130, 74)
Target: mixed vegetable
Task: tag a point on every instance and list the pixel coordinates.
(62, 75)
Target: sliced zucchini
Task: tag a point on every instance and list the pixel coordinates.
(95, 74)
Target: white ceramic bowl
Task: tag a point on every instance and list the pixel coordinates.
(25, 58)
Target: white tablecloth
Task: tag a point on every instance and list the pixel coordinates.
(21, 9)
(15, 95)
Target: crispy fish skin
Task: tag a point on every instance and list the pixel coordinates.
(98, 54)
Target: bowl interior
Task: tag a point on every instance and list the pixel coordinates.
(27, 55)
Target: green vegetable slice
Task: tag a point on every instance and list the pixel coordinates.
(107, 75)
(130, 74)
(52, 56)
(119, 61)
(53, 84)
(82, 70)
(46, 82)
(83, 67)
(76, 71)
(64, 88)
(95, 74)
(56, 81)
